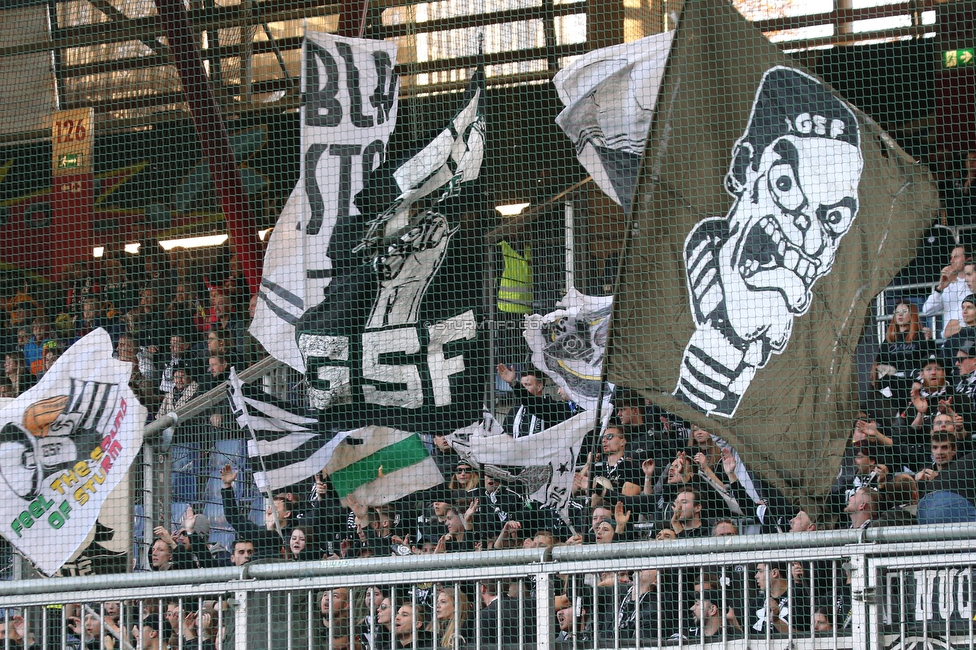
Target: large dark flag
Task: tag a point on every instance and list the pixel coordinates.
(768, 214)
(396, 341)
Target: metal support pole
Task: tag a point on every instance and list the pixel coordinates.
(544, 611)
(570, 245)
(240, 620)
(148, 501)
(864, 609)
(213, 137)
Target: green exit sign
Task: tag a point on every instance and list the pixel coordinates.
(69, 161)
(959, 58)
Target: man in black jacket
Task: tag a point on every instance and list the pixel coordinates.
(267, 541)
(496, 506)
(535, 412)
(505, 608)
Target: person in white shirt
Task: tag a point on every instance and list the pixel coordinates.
(946, 298)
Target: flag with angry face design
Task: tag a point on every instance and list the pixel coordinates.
(769, 212)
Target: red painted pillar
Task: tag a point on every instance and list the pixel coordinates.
(213, 138)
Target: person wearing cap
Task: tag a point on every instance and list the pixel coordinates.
(180, 356)
(52, 352)
(967, 330)
(947, 294)
(145, 636)
(496, 505)
(464, 479)
(535, 411)
(869, 472)
(928, 391)
(964, 403)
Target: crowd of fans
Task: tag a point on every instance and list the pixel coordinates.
(648, 476)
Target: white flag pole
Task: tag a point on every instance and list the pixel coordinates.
(234, 387)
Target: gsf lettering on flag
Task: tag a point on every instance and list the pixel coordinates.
(395, 343)
(349, 110)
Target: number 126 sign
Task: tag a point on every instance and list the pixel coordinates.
(71, 140)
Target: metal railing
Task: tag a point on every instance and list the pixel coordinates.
(881, 314)
(895, 586)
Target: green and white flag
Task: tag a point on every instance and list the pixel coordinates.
(382, 466)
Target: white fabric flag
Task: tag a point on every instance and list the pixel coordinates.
(610, 96)
(285, 446)
(546, 460)
(349, 112)
(64, 446)
(569, 345)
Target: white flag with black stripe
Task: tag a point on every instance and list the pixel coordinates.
(610, 95)
(349, 110)
(285, 446)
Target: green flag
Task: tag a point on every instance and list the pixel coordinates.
(768, 214)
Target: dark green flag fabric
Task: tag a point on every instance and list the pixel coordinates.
(767, 216)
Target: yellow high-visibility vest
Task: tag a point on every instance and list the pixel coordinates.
(515, 291)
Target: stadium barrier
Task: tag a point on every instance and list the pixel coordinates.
(903, 586)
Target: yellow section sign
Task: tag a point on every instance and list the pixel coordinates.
(72, 140)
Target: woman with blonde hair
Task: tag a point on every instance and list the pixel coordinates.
(451, 617)
(464, 478)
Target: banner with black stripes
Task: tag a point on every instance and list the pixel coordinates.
(349, 110)
(284, 444)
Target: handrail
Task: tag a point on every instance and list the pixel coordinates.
(520, 559)
(211, 398)
(259, 570)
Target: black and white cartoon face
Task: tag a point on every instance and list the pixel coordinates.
(794, 175)
(785, 229)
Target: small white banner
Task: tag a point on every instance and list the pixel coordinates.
(569, 345)
(64, 446)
